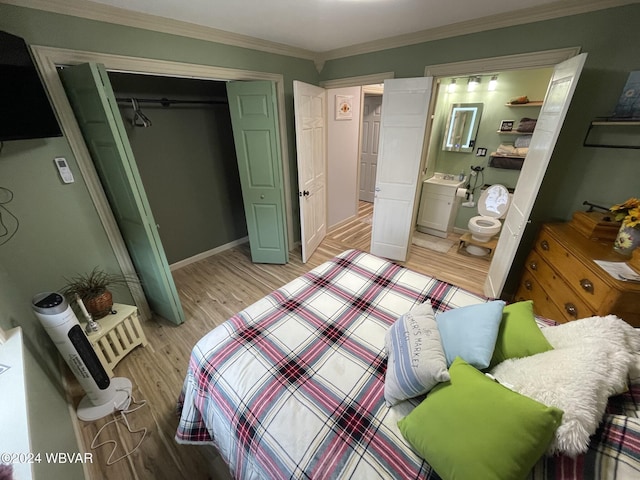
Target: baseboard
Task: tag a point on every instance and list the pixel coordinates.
(460, 231)
(208, 253)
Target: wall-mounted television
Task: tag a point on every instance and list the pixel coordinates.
(25, 111)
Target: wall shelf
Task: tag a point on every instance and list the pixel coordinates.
(610, 132)
(514, 132)
(537, 103)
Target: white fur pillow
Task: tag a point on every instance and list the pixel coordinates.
(610, 333)
(590, 362)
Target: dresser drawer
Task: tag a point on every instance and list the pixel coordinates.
(570, 305)
(530, 289)
(588, 286)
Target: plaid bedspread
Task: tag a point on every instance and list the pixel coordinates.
(292, 386)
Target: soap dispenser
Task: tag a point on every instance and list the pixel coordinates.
(461, 176)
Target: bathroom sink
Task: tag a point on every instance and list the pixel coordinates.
(444, 179)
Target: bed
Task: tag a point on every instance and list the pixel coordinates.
(292, 386)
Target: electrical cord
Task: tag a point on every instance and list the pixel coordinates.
(7, 231)
(122, 415)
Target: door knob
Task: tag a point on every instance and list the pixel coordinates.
(305, 193)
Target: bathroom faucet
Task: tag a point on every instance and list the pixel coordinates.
(448, 177)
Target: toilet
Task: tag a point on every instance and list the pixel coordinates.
(492, 206)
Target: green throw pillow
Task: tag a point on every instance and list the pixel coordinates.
(519, 335)
(473, 428)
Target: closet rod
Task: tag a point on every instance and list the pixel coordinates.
(166, 102)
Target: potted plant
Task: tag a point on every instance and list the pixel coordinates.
(93, 290)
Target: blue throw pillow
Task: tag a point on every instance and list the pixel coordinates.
(471, 332)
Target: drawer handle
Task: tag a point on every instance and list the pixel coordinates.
(527, 284)
(586, 285)
(544, 244)
(533, 265)
(571, 309)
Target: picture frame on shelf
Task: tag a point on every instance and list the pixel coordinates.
(507, 125)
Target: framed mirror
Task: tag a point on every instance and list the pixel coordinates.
(462, 127)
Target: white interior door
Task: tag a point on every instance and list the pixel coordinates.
(554, 109)
(405, 105)
(311, 144)
(372, 113)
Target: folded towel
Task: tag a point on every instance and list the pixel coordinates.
(522, 141)
(526, 125)
(506, 149)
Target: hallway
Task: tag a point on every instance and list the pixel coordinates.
(455, 267)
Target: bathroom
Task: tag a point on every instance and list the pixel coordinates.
(494, 114)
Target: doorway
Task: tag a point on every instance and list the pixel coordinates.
(370, 135)
(187, 161)
(568, 64)
(48, 58)
(453, 213)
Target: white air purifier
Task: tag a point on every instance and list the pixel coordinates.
(103, 395)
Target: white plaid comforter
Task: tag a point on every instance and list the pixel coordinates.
(292, 386)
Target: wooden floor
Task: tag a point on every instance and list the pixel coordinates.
(211, 291)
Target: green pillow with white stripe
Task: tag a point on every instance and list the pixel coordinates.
(416, 361)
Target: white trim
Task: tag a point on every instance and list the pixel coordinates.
(48, 57)
(201, 256)
(357, 81)
(373, 89)
(562, 8)
(546, 58)
(119, 16)
(105, 13)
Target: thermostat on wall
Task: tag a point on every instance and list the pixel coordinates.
(63, 169)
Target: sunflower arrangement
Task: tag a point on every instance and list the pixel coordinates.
(629, 213)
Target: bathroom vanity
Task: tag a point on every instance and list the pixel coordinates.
(439, 204)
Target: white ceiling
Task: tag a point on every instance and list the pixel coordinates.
(323, 25)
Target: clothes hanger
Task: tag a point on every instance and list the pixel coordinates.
(139, 119)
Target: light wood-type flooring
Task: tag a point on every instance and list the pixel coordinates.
(211, 291)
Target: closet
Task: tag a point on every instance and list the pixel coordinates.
(181, 136)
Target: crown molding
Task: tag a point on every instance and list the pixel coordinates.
(553, 10)
(106, 13)
(546, 58)
(371, 79)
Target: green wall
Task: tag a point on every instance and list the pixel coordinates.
(59, 232)
(576, 173)
(187, 162)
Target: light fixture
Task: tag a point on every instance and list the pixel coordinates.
(473, 83)
(452, 86)
(493, 83)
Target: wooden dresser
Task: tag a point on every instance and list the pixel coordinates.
(566, 284)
